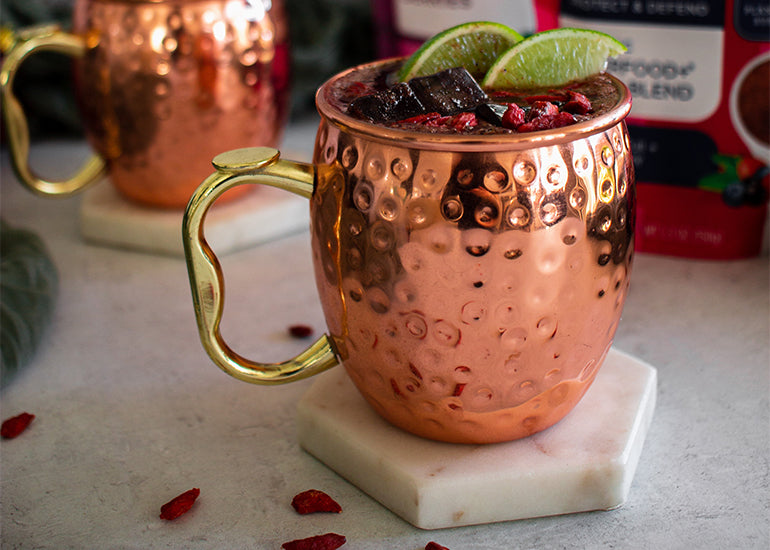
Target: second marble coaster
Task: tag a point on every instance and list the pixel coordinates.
(106, 218)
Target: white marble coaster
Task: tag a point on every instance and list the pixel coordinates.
(267, 213)
(585, 462)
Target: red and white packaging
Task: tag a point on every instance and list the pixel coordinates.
(699, 74)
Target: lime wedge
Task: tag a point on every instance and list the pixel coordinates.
(552, 58)
(474, 46)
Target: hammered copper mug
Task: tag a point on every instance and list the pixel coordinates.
(471, 286)
(162, 85)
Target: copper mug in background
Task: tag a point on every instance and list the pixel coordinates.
(471, 285)
(162, 87)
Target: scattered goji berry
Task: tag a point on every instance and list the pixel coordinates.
(329, 541)
(179, 505)
(15, 425)
(435, 546)
(300, 331)
(313, 500)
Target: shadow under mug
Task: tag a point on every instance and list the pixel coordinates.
(162, 87)
(471, 286)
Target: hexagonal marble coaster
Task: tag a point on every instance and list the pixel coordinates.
(106, 218)
(585, 462)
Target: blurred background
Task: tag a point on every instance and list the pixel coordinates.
(703, 184)
(326, 36)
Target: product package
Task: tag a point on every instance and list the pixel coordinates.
(699, 74)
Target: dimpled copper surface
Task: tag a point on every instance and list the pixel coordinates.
(165, 86)
(472, 295)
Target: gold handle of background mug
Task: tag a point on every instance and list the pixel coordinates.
(21, 46)
(254, 165)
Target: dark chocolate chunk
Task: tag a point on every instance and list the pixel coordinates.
(396, 103)
(448, 92)
(492, 112)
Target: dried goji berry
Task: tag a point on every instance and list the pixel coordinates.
(440, 121)
(358, 89)
(462, 121)
(313, 500)
(329, 541)
(300, 331)
(179, 505)
(578, 104)
(513, 117)
(547, 122)
(554, 96)
(435, 546)
(419, 119)
(504, 95)
(15, 425)
(542, 108)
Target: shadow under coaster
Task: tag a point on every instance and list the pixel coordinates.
(585, 462)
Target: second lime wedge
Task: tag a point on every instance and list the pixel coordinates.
(552, 59)
(474, 46)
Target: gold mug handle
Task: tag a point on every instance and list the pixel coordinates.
(19, 47)
(253, 165)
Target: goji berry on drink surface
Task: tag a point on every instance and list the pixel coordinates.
(547, 122)
(358, 88)
(313, 500)
(513, 117)
(419, 119)
(15, 425)
(464, 120)
(541, 109)
(578, 104)
(440, 121)
(300, 331)
(555, 96)
(329, 541)
(179, 505)
(435, 546)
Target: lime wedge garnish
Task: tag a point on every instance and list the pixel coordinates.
(474, 46)
(552, 58)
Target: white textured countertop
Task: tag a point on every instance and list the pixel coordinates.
(131, 412)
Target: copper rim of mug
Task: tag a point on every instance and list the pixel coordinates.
(459, 142)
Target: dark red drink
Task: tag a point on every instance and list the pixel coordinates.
(372, 94)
